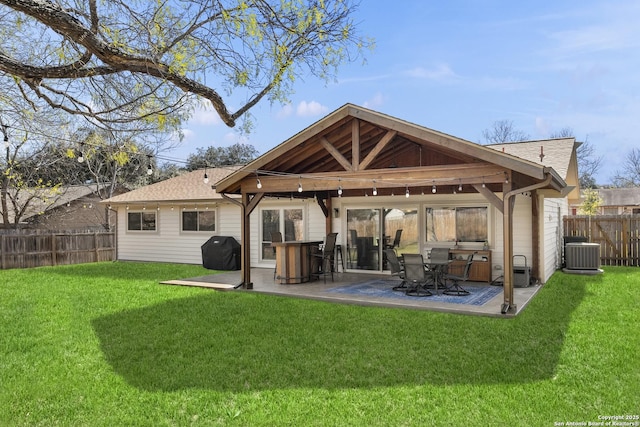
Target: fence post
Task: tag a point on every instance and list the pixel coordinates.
(54, 250)
(95, 246)
(3, 249)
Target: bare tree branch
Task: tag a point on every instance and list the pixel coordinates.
(258, 47)
(502, 132)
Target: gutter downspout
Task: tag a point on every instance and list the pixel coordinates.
(509, 305)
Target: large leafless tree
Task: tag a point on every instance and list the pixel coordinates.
(120, 62)
(503, 131)
(629, 174)
(589, 163)
(25, 134)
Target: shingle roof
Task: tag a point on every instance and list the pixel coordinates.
(620, 196)
(188, 186)
(46, 199)
(557, 152)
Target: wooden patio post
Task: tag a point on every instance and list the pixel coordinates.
(536, 227)
(508, 305)
(245, 236)
(328, 223)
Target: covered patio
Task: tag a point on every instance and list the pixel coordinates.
(355, 155)
(330, 292)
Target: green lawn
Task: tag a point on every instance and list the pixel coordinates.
(106, 345)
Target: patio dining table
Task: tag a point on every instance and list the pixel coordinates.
(439, 269)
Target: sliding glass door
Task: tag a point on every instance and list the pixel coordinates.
(371, 230)
(363, 237)
(400, 230)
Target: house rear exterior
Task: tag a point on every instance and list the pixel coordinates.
(170, 220)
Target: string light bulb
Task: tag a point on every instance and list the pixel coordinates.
(149, 168)
(460, 186)
(299, 185)
(506, 178)
(6, 137)
(433, 188)
(406, 192)
(259, 184)
(81, 153)
(339, 188)
(375, 190)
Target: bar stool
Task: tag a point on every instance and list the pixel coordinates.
(339, 258)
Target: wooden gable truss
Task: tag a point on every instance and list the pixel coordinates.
(357, 150)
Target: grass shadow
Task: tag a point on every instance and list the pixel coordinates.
(243, 341)
(122, 271)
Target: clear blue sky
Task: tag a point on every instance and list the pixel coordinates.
(459, 66)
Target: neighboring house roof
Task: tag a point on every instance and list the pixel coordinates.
(47, 199)
(556, 152)
(619, 196)
(189, 186)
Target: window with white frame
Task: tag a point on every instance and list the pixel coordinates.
(201, 220)
(459, 224)
(142, 220)
(288, 221)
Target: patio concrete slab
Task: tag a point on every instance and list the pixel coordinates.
(263, 282)
(200, 284)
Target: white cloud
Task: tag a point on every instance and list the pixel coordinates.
(231, 138)
(187, 134)
(285, 112)
(205, 116)
(438, 72)
(374, 102)
(594, 39)
(542, 127)
(364, 79)
(309, 109)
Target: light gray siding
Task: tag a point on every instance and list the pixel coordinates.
(554, 210)
(168, 243)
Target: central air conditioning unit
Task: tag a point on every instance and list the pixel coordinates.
(582, 256)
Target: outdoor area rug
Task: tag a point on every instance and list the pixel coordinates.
(382, 288)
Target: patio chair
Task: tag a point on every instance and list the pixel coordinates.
(415, 275)
(352, 247)
(276, 237)
(396, 240)
(455, 288)
(438, 264)
(396, 268)
(326, 256)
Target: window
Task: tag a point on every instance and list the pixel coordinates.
(199, 220)
(141, 221)
(289, 222)
(463, 224)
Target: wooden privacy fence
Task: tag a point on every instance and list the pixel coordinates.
(25, 250)
(618, 236)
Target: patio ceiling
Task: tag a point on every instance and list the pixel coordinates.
(357, 149)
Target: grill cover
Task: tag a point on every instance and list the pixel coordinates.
(221, 253)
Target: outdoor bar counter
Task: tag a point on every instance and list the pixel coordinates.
(294, 263)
